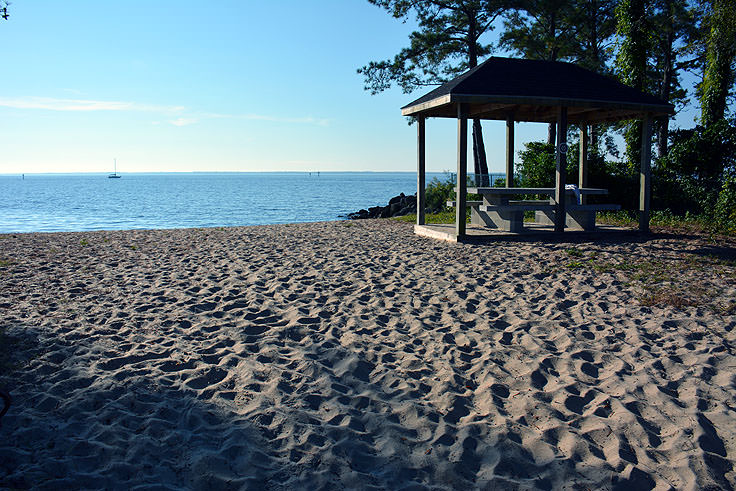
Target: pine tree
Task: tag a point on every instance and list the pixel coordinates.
(541, 30)
(594, 26)
(673, 24)
(719, 71)
(447, 43)
(634, 32)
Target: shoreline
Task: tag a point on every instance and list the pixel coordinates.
(213, 227)
(356, 354)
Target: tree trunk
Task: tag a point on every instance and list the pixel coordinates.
(476, 160)
(554, 49)
(479, 150)
(718, 76)
(552, 56)
(633, 24)
(593, 146)
(664, 93)
(663, 133)
(551, 133)
(594, 48)
(479, 155)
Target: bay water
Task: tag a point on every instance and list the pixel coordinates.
(78, 202)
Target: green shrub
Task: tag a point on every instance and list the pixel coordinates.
(724, 213)
(438, 193)
(537, 166)
(692, 176)
(537, 169)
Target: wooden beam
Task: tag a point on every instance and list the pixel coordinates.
(602, 116)
(582, 113)
(583, 161)
(426, 106)
(561, 169)
(479, 110)
(421, 170)
(645, 175)
(462, 169)
(509, 152)
(544, 114)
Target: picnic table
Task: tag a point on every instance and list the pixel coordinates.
(497, 209)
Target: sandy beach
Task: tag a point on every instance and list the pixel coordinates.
(356, 355)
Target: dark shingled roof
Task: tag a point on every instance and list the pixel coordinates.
(531, 90)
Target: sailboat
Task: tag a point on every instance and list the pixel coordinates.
(115, 174)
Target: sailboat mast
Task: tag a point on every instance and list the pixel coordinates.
(114, 175)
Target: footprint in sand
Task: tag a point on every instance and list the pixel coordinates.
(210, 377)
(577, 404)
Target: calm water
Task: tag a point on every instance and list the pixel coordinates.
(75, 202)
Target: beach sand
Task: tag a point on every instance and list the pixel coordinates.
(356, 355)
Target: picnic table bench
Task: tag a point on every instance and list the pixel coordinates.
(498, 210)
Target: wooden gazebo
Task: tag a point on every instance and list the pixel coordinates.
(513, 90)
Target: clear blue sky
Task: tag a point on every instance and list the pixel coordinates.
(196, 86)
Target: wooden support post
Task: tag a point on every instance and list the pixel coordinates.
(462, 169)
(421, 170)
(561, 169)
(583, 162)
(509, 152)
(645, 175)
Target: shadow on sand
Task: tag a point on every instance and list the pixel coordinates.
(68, 429)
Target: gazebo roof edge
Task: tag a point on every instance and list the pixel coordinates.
(450, 99)
(536, 83)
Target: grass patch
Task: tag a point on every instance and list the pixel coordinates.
(4, 263)
(662, 283)
(662, 219)
(601, 268)
(688, 223)
(617, 218)
(664, 296)
(673, 295)
(574, 252)
(701, 262)
(84, 242)
(412, 218)
(651, 272)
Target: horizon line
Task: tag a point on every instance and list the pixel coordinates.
(236, 172)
